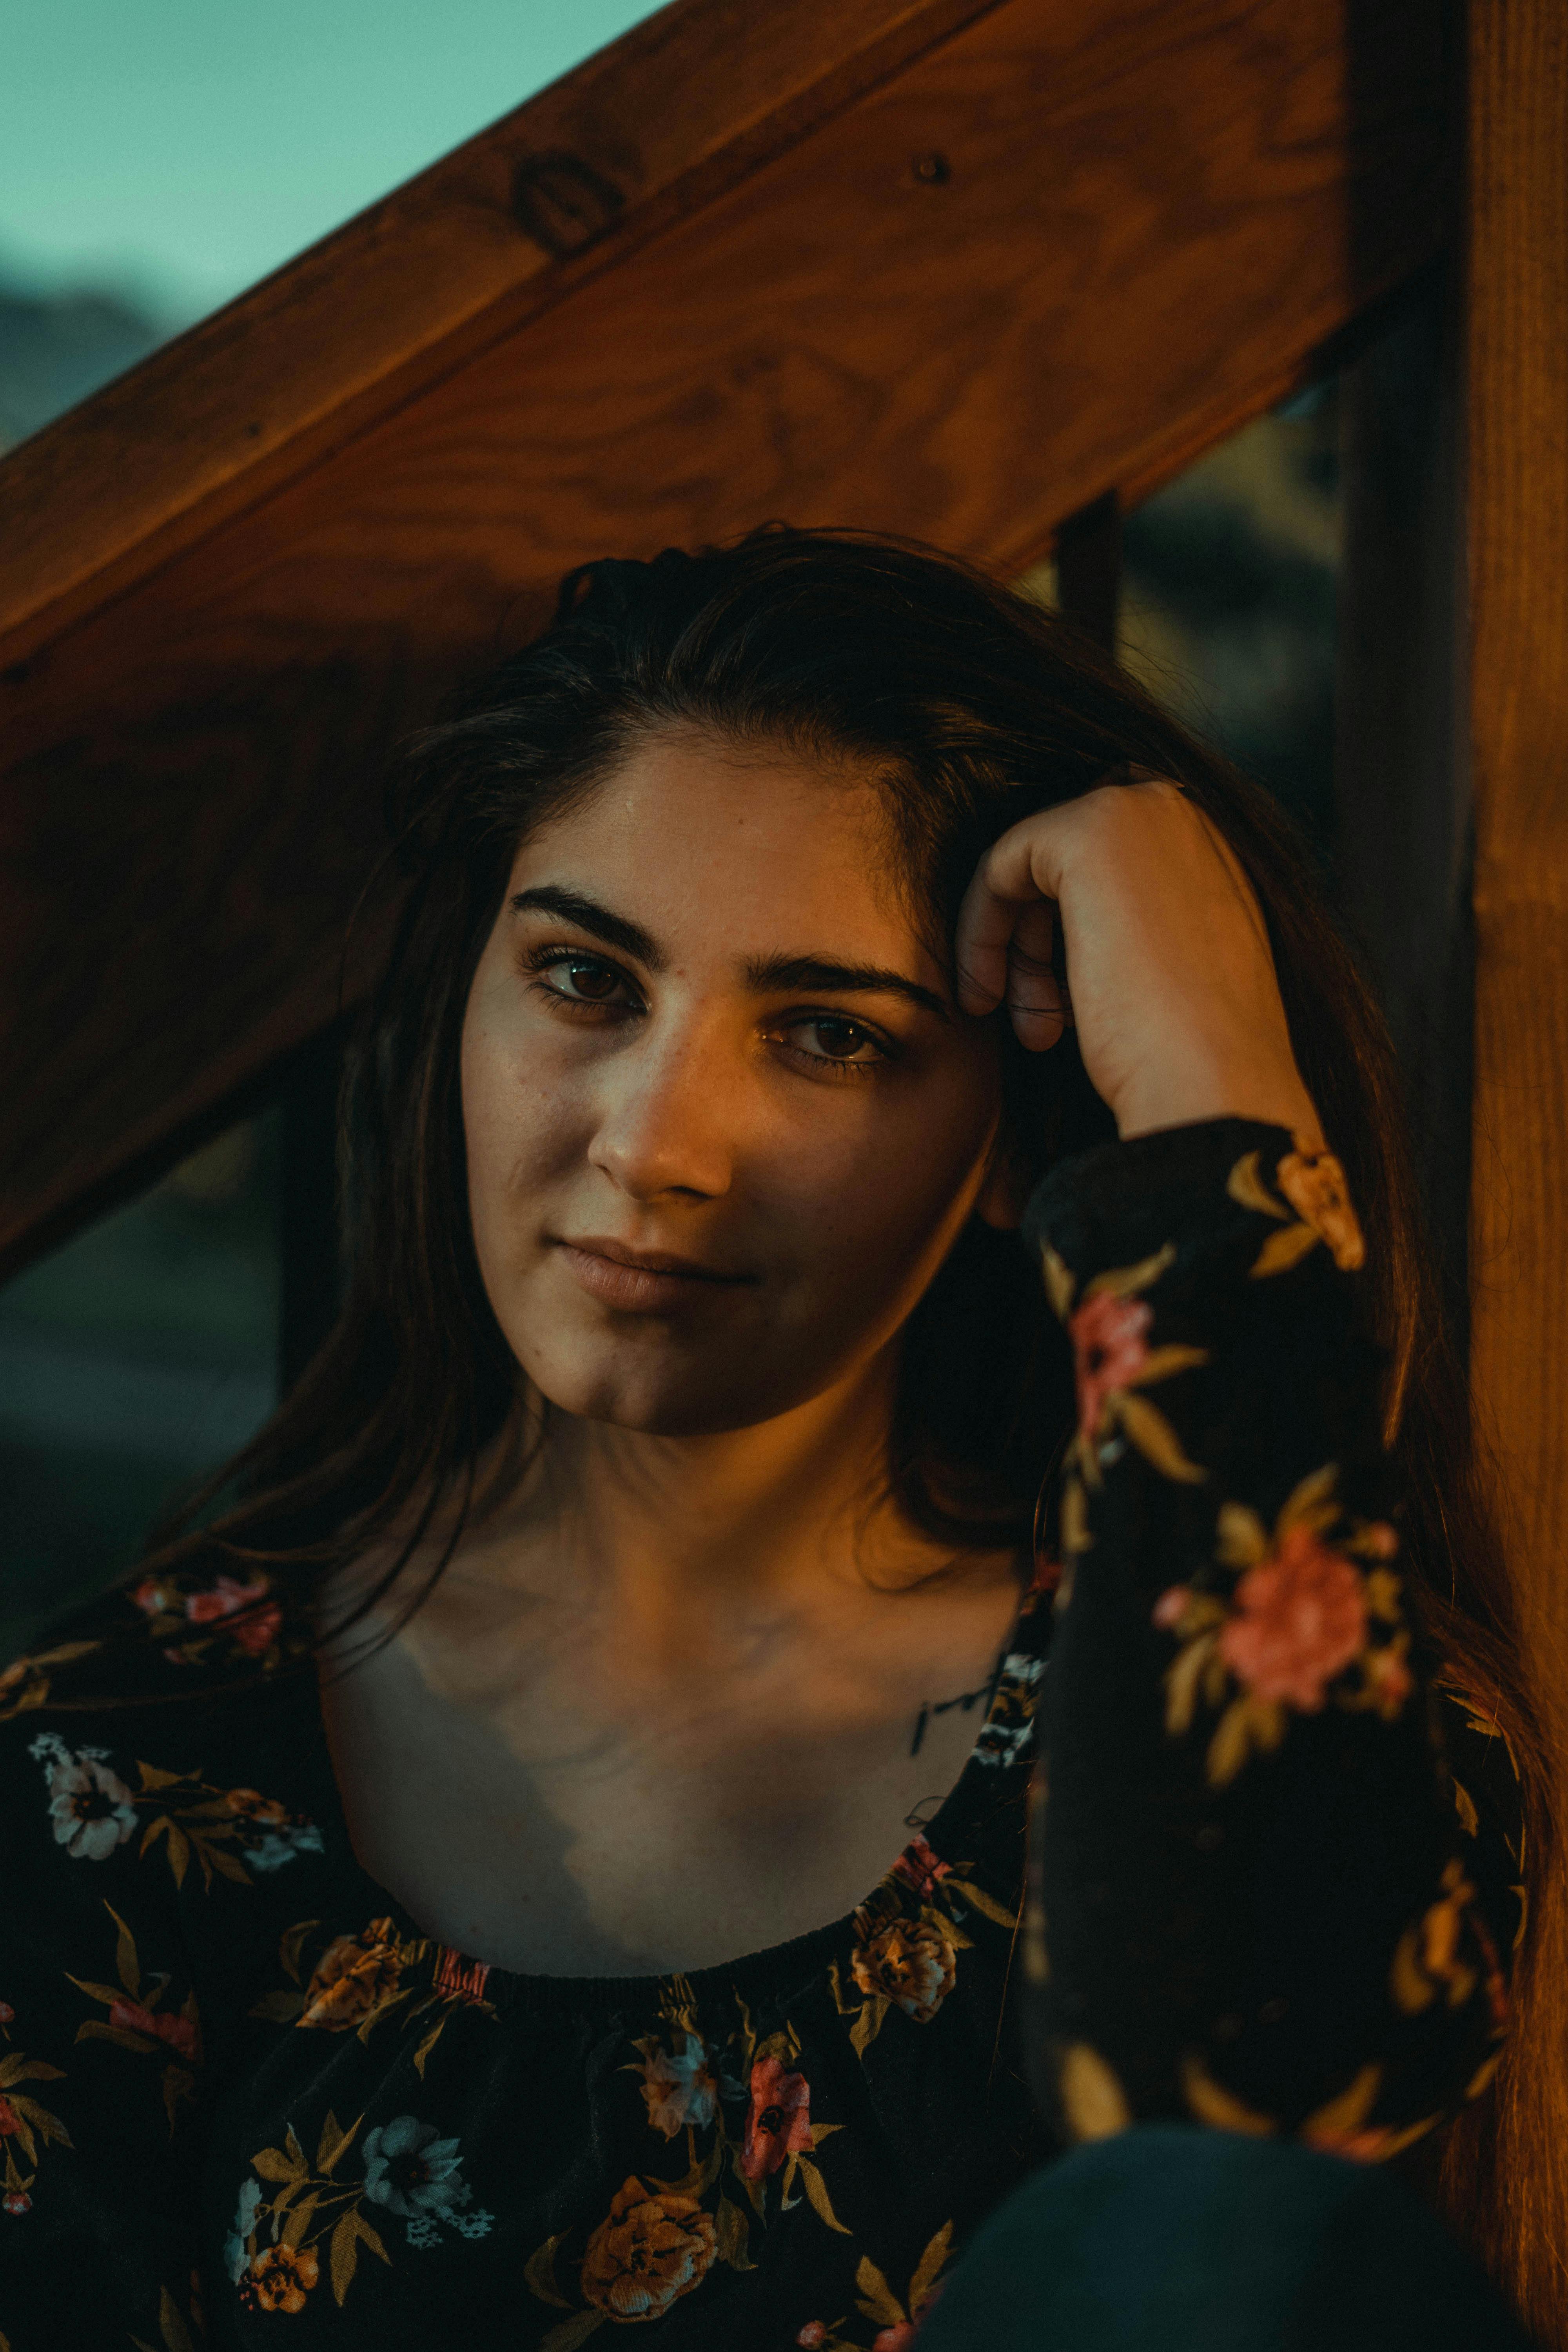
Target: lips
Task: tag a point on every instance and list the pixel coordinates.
(643, 1281)
(651, 1261)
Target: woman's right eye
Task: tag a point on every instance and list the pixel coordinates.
(579, 979)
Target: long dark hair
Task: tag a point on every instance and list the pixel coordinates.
(971, 706)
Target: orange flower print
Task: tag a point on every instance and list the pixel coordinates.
(355, 1976)
(1302, 1625)
(1301, 1618)
(280, 2278)
(911, 1962)
(653, 2247)
(779, 2121)
(1109, 1350)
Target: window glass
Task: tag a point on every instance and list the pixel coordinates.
(132, 1361)
(157, 160)
(1227, 612)
(1227, 604)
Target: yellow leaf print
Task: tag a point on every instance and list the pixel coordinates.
(1093, 2101)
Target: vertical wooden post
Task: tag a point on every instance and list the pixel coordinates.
(1517, 356)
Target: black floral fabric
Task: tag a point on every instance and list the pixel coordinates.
(243, 2098)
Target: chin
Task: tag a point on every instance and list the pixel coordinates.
(669, 1401)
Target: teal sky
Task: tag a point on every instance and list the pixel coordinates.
(178, 150)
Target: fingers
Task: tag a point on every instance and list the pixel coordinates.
(1037, 1000)
(1006, 933)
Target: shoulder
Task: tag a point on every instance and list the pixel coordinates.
(191, 1632)
(146, 1718)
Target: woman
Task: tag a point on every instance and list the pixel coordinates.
(419, 1870)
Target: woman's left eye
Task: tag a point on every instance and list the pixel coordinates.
(843, 1046)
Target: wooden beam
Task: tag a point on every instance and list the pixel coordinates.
(1518, 490)
(1050, 256)
(645, 129)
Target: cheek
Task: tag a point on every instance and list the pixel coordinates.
(521, 1122)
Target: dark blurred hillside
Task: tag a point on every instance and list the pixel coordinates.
(56, 348)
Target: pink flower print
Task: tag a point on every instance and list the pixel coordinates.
(7, 2014)
(894, 2339)
(1171, 1607)
(1390, 1679)
(257, 1634)
(812, 2336)
(779, 2123)
(16, 2200)
(179, 2033)
(226, 1598)
(1111, 1349)
(1301, 1619)
(921, 1867)
(10, 2121)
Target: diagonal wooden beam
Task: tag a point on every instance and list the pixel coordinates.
(1049, 254)
(645, 131)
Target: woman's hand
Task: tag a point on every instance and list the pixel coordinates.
(1172, 982)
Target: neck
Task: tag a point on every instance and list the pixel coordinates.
(760, 1515)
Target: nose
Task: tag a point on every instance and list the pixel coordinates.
(667, 1121)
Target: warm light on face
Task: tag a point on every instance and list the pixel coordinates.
(704, 1029)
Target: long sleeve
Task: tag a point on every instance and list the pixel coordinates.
(1271, 1891)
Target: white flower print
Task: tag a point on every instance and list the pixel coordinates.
(91, 1805)
(680, 2086)
(277, 1846)
(411, 2170)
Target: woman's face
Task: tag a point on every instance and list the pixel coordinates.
(704, 1029)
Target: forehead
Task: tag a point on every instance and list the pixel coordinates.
(755, 847)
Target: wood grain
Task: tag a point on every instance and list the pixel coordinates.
(1518, 367)
(1148, 217)
(649, 128)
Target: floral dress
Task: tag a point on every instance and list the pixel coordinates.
(1275, 1886)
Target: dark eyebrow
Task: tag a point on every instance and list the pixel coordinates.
(616, 931)
(764, 974)
(767, 973)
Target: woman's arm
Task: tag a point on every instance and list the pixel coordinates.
(1260, 1900)
(1263, 1899)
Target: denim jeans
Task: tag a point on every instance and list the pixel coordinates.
(1172, 2239)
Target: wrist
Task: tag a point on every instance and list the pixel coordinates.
(1176, 1096)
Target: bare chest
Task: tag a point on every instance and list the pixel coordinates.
(551, 1831)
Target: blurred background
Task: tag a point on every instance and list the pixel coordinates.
(156, 162)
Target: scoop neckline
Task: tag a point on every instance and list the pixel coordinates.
(563, 1995)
